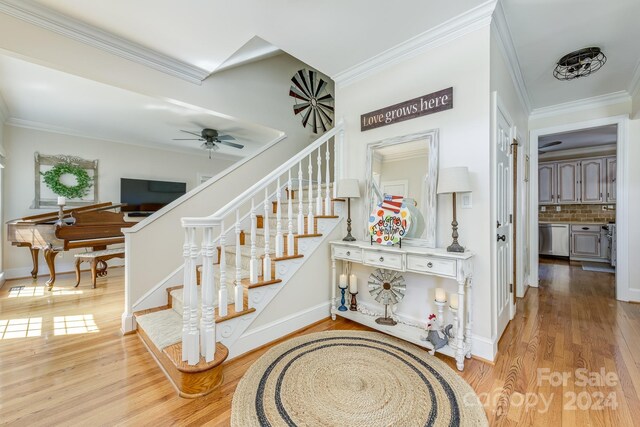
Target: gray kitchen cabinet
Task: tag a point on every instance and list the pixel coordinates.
(568, 187)
(588, 242)
(547, 176)
(593, 173)
(611, 179)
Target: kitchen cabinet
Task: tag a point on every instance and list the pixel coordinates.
(568, 182)
(589, 241)
(579, 181)
(593, 180)
(611, 179)
(547, 183)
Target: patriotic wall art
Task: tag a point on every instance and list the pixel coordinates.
(390, 220)
(313, 102)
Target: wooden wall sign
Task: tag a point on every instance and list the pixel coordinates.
(417, 107)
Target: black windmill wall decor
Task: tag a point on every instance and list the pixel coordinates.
(312, 100)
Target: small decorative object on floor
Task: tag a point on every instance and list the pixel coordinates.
(390, 221)
(348, 188)
(435, 334)
(387, 287)
(454, 180)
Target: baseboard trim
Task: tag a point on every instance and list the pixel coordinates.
(485, 349)
(276, 330)
(634, 295)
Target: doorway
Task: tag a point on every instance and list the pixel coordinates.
(579, 200)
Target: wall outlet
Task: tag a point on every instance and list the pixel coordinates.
(543, 208)
(558, 209)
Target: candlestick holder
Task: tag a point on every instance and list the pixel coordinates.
(440, 319)
(354, 303)
(342, 301)
(61, 215)
(452, 340)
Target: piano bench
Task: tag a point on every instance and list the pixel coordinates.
(98, 261)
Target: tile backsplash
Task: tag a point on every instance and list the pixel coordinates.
(581, 213)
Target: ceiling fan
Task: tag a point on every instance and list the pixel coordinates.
(211, 138)
(541, 149)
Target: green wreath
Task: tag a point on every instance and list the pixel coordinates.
(83, 180)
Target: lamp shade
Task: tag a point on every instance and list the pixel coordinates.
(454, 180)
(348, 188)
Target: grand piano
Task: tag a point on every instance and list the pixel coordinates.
(91, 226)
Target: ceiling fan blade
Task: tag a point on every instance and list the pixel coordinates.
(187, 139)
(550, 144)
(231, 144)
(226, 138)
(192, 133)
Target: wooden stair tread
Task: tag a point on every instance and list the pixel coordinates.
(247, 284)
(305, 236)
(232, 313)
(287, 257)
(174, 353)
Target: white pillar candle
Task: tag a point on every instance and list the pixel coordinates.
(343, 281)
(61, 201)
(441, 295)
(353, 284)
(453, 301)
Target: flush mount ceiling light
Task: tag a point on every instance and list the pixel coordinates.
(580, 63)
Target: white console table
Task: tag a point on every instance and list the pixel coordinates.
(433, 262)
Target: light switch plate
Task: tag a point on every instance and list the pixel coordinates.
(558, 209)
(543, 208)
(467, 201)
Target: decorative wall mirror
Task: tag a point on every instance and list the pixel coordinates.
(406, 166)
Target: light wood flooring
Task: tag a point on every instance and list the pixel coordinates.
(75, 368)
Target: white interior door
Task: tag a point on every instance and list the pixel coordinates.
(503, 206)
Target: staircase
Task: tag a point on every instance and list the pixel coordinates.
(237, 271)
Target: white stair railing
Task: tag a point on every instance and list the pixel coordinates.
(199, 331)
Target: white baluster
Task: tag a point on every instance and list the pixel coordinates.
(207, 320)
(310, 227)
(190, 332)
(253, 264)
(239, 304)
(279, 238)
(337, 161)
(290, 248)
(319, 197)
(327, 197)
(266, 261)
(222, 293)
(300, 207)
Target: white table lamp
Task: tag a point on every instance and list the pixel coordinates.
(348, 188)
(454, 180)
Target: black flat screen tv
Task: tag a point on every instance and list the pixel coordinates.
(142, 195)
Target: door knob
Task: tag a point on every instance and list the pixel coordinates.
(503, 238)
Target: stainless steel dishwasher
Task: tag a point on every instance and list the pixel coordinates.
(553, 239)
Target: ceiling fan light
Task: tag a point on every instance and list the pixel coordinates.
(579, 63)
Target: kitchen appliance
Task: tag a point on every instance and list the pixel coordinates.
(553, 239)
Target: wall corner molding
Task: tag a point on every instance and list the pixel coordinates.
(580, 105)
(4, 111)
(439, 35)
(51, 20)
(505, 42)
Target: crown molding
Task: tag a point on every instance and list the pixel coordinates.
(505, 42)
(51, 20)
(634, 87)
(450, 30)
(581, 104)
(46, 127)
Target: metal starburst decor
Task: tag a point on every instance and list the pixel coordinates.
(388, 288)
(313, 101)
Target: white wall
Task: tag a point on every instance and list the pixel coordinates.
(115, 161)
(464, 141)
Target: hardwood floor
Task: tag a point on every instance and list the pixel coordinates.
(75, 368)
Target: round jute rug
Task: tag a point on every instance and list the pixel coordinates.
(353, 378)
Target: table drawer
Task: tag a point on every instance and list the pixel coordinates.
(444, 267)
(383, 259)
(351, 254)
(586, 227)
